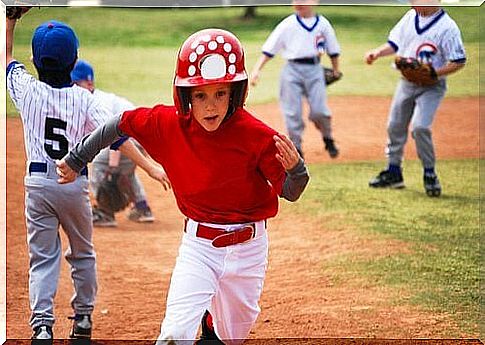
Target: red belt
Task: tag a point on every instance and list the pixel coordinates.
(222, 238)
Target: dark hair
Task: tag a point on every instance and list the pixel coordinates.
(237, 98)
(51, 74)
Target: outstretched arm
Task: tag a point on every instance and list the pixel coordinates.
(383, 50)
(87, 149)
(13, 13)
(10, 28)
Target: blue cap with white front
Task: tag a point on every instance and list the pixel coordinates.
(82, 71)
(54, 46)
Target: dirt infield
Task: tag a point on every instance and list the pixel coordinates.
(278, 341)
(135, 261)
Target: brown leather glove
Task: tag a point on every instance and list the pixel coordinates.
(416, 72)
(330, 77)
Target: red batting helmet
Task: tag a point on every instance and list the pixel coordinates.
(210, 56)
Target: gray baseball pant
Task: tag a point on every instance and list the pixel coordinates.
(298, 81)
(415, 105)
(48, 205)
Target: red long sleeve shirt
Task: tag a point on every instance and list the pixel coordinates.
(230, 175)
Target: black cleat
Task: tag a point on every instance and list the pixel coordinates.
(330, 147)
(42, 335)
(387, 179)
(432, 185)
(208, 336)
(81, 327)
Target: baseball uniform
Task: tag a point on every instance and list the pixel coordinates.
(436, 40)
(54, 119)
(301, 41)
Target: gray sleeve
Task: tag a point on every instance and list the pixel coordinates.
(295, 182)
(91, 144)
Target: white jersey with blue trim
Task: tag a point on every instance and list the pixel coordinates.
(115, 104)
(54, 119)
(435, 39)
(298, 38)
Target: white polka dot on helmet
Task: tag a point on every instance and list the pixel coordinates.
(209, 56)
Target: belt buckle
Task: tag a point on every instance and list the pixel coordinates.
(253, 232)
(232, 237)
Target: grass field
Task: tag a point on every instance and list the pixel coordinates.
(133, 52)
(441, 269)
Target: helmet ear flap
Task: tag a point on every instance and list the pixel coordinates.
(239, 93)
(183, 95)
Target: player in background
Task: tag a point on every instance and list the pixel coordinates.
(55, 115)
(111, 161)
(227, 170)
(303, 38)
(429, 34)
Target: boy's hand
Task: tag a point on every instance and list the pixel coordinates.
(66, 174)
(16, 12)
(287, 153)
(157, 173)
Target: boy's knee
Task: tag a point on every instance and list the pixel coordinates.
(421, 131)
(318, 117)
(396, 128)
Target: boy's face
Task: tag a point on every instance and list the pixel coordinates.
(304, 8)
(210, 104)
(425, 7)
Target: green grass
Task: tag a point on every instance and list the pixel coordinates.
(133, 50)
(441, 272)
(169, 27)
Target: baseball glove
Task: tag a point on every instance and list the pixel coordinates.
(330, 77)
(416, 72)
(16, 12)
(114, 193)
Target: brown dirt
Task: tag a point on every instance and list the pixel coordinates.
(135, 261)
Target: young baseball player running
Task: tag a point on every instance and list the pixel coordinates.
(428, 34)
(56, 115)
(227, 170)
(111, 161)
(303, 38)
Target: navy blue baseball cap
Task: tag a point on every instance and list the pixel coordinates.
(54, 46)
(82, 71)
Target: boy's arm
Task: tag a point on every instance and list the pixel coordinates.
(295, 182)
(383, 50)
(10, 28)
(154, 171)
(87, 149)
(13, 13)
(257, 69)
(335, 65)
(297, 176)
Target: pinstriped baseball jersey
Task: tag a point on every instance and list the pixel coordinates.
(435, 39)
(298, 37)
(54, 119)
